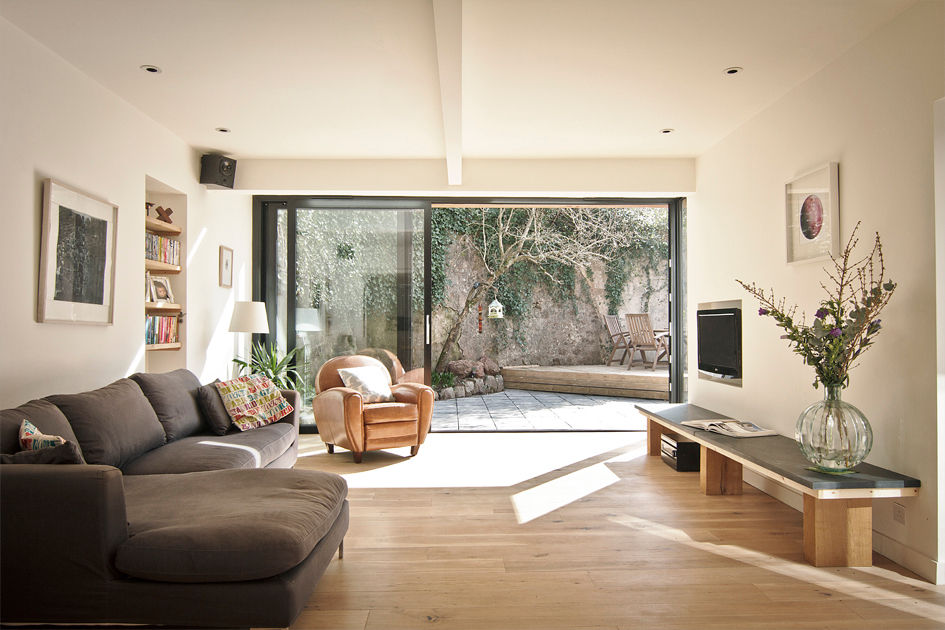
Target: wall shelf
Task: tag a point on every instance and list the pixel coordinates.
(162, 307)
(153, 265)
(163, 346)
(156, 225)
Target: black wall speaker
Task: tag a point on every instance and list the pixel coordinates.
(217, 171)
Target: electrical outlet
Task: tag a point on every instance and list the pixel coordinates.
(899, 513)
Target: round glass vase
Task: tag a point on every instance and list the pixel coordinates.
(834, 435)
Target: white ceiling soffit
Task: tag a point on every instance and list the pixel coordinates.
(446, 79)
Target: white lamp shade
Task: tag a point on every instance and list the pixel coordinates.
(249, 317)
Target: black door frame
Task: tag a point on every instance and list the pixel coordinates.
(264, 225)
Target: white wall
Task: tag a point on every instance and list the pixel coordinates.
(940, 310)
(870, 110)
(56, 122)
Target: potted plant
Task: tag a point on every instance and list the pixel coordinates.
(833, 434)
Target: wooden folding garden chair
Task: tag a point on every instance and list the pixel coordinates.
(643, 338)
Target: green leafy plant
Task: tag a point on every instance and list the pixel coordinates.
(847, 321)
(265, 360)
(442, 379)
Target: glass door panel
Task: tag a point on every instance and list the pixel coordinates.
(350, 279)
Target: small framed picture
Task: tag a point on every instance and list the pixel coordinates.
(161, 289)
(226, 267)
(812, 215)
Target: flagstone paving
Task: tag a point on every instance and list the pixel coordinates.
(520, 410)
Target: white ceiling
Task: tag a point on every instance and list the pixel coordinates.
(362, 78)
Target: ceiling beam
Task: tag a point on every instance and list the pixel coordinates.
(448, 24)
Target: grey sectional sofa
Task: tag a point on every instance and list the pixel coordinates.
(166, 522)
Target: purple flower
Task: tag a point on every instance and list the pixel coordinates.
(763, 311)
(875, 324)
(835, 332)
(821, 313)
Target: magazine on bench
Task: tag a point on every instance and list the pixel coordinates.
(731, 428)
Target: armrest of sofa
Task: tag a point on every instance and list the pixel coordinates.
(60, 527)
(294, 398)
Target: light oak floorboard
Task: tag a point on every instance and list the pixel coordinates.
(626, 543)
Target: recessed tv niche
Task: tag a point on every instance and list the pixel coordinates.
(719, 341)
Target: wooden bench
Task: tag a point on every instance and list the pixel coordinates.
(838, 511)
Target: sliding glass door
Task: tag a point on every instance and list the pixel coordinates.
(345, 277)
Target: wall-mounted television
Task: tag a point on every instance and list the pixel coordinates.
(719, 341)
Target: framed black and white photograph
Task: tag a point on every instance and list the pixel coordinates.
(226, 267)
(161, 289)
(77, 257)
(812, 215)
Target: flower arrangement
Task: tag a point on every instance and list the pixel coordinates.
(847, 322)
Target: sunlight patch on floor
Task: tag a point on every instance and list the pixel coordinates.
(557, 493)
(823, 577)
(467, 460)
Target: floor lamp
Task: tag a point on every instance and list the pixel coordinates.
(249, 317)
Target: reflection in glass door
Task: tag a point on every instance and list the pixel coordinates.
(348, 279)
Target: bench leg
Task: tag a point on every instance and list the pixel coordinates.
(838, 532)
(718, 474)
(341, 549)
(653, 432)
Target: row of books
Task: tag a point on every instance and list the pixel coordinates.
(160, 329)
(162, 249)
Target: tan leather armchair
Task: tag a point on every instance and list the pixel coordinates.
(345, 420)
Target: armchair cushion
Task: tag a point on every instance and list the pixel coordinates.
(214, 411)
(371, 381)
(66, 453)
(389, 412)
(44, 415)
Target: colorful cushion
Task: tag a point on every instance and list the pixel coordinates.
(253, 401)
(213, 409)
(32, 440)
(372, 382)
(67, 453)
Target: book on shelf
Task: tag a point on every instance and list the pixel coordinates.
(731, 428)
(162, 249)
(160, 329)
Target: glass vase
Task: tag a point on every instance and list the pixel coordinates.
(834, 435)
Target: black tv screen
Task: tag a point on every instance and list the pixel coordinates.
(719, 333)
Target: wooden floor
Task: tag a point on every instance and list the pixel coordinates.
(581, 531)
(603, 380)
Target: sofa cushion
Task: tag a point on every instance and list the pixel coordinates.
(226, 525)
(44, 415)
(114, 424)
(67, 453)
(248, 449)
(213, 409)
(253, 401)
(173, 396)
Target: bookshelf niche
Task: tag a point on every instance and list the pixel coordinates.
(165, 277)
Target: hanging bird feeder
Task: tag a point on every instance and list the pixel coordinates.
(496, 310)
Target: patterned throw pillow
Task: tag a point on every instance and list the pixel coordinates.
(32, 440)
(372, 382)
(253, 401)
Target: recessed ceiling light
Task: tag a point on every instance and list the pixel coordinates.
(151, 69)
(732, 71)
(667, 130)
(222, 130)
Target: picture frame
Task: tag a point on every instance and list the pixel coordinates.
(812, 215)
(226, 267)
(161, 289)
(77, 257)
